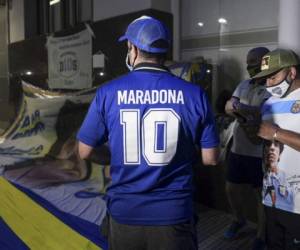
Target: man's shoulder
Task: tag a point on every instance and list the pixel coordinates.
(244, 83)
(170, 82)
(111, 84)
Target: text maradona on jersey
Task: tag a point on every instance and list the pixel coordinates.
(150, 96)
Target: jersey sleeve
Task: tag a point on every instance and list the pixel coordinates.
(239, 89)
(93, 131)
(209, 137)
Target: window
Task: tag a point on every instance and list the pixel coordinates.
(56, 15)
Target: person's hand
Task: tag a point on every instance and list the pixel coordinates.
(236, 104)
(267, 130)
(229, 106)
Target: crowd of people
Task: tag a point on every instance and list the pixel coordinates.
(158, 126)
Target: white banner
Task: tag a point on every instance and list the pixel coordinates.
(70, 61)
(35, 129)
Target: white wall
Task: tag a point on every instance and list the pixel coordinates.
(16, 21)
(226, 45)
(289, 35)
(242, 15)
(194, 11)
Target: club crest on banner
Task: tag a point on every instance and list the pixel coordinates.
(69, 60)
(296, 107)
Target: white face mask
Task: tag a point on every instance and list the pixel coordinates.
(280, 89)
(128, 63)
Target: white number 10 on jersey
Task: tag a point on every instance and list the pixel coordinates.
(156, 138)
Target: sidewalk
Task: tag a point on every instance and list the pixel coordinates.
(211, 227)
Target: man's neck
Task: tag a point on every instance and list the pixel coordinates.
(143, 60)
(297, 83)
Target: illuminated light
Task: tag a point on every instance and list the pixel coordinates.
(200, 24)
(208, 71)
(52, 2)
(29, 73)
(101, 73)
(222, 20)
(223, 50)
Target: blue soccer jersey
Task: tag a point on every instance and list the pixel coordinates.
(154, 123)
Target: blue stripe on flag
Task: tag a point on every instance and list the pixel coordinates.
(9, 240)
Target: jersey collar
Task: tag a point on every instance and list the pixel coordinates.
(151, 67)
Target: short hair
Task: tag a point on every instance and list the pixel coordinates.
(162, 44)
(268, 143)
(298, 71)
(156, 56)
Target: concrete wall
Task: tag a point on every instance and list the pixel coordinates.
(16, 21)
(3, 55)
(5, 109)
(104, 9)
(163, 5)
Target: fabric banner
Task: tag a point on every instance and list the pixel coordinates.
(34, 131)
(33, 226)
(70, 61)
(198, 73)
(48, 193)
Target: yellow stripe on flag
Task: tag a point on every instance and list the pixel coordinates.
(34, 225)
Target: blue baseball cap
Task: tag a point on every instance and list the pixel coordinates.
(143, 32)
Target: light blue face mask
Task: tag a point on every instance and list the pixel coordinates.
(128, 63)
(279, 89)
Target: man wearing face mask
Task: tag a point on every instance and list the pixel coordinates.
(281, 70)
(245, 158)
(157, 126)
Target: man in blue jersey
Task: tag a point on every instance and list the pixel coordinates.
(155, 124)
(281, 115)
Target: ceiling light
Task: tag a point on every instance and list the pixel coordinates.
(200, 24)
(52, 2)
(222, 20)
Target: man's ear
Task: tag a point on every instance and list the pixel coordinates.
(293, 72)
(130, 46)
(134, 54)
(134, 50)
